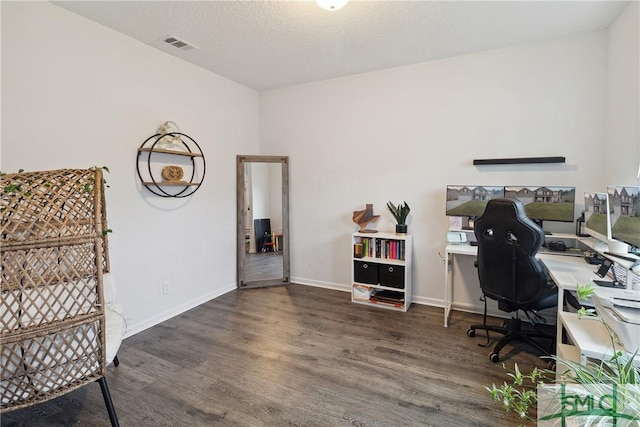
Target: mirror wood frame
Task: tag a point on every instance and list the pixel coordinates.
(241, 161)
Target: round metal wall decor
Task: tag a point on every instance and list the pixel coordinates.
(171, 164)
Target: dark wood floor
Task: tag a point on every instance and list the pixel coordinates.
(294, 356)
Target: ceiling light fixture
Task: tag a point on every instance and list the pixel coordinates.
(331, 5)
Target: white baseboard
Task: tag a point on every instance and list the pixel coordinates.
(432, 302)
(174, 311)
(319, 284)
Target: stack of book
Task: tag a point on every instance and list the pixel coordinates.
(388, 297)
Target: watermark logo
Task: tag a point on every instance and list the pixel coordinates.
(568, 405)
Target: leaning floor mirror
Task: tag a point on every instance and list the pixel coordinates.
(263, 221)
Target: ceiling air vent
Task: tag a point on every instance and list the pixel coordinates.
(180, 44)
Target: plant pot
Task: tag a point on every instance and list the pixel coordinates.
(401, 228)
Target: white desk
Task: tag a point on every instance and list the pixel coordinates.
(449, 252)
(566, 271)
(589, 337)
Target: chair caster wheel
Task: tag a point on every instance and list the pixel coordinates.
(551, 365)
(494, 357)
(471, 333)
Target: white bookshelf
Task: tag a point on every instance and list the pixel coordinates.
(381, 276)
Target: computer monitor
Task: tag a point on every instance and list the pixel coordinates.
(544, 203)
(470, 200)
(596, 215)
(624, 208)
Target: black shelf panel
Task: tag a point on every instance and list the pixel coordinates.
(519, 160)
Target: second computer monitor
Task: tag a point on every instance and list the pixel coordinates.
(596, 215)
(545, 203)
(624, 207)
(470, 200)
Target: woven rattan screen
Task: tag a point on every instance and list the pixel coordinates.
(51, 311)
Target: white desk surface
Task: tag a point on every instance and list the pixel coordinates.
(462, 249)
(566, 271)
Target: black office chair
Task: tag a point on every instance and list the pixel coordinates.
(509, 273)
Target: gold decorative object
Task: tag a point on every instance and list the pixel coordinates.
(172, 173)
(364, 217)
(169, 127)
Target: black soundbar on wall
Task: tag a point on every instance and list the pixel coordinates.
(519, 160)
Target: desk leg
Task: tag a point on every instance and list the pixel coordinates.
(558, 322)
(448, 289)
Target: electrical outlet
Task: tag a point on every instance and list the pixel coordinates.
(166, 287)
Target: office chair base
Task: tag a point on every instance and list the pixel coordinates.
(512, 331)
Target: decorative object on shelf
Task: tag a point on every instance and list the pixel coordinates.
(519, 160)
(169, 130)
(365, 217)
(332, 5)
(172, 173)
(400, 214)
(167, 180)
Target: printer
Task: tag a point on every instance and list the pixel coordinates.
(620, 310)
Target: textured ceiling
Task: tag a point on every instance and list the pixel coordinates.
(271, 44)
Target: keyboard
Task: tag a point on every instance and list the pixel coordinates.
(569, 252)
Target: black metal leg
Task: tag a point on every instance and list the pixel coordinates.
(116, 362)
(107, 401)
(512, 331)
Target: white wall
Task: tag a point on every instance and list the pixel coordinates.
(623, 99)
(275, 197)
(260, 185)
(267, 193)
(76, 94)
(405, 133)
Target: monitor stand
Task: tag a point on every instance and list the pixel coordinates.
(539, 222)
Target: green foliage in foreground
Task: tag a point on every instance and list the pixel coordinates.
(520, 396)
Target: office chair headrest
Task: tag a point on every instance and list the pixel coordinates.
(506, 219)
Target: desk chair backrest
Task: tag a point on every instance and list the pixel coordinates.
(508, 241)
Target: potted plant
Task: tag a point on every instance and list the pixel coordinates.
(598, 377)
(400, 214)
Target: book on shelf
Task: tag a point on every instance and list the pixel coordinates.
(381, 248)
(390, 249)
(367, 247)
(390, 297)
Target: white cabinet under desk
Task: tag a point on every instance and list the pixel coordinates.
(587, 335)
